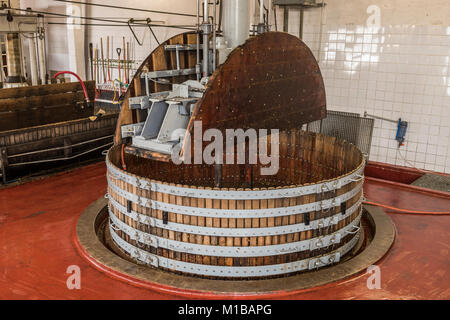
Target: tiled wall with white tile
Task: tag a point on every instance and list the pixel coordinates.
(400, 69)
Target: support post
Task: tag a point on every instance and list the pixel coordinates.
(286, 19)
(3, 163)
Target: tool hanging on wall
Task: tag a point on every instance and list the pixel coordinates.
(107, 58)
(103, 60)
(119, 51)
(402, 126)
(128, 62)
(97, 70)
(91, 59)
(124, 61)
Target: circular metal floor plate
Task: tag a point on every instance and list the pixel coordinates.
(102, 258)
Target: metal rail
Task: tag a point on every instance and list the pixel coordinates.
(116, 22)
(59, 148)
(128, 8)
(60, 159)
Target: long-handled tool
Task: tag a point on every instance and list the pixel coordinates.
(91, 58)
(103, 60)
(125, 62)
(119, 51)
(128, 62)
(107, 58)
(97, 74)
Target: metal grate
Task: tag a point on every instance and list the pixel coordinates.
(348, 126)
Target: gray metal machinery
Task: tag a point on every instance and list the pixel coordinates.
(297, 4)
(16, 28)
(169, 111)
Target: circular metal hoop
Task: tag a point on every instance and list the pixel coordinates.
(102, 258)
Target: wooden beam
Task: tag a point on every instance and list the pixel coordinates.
(13, 93)
(37, 102)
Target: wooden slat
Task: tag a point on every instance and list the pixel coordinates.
(173, 58)
(160, 63)
(36, 102)
(14, 93)
(32, 118)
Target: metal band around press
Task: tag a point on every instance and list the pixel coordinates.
(145, 184)
(228, 271)
(232, 213)
(235, 232)
(232, 251)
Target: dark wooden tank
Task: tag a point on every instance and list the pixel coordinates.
(42, 127)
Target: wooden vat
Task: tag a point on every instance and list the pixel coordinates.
(49, 125)
(304, 217)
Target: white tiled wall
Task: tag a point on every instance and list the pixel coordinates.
(399, 70)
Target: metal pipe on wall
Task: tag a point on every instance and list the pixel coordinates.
(197, 67)
(42, 62)
(320, 31)
(236, 22)
(13, 58)
(33, 60)
(41, 52)
(205, 38)
(261, 11)
(214, 26)
(23, 63)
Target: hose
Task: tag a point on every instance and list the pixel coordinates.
(405, 210)
(86, 96)
(124, 166)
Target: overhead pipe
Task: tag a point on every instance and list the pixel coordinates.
(127, 8)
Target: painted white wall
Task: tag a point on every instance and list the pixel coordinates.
(401, 69)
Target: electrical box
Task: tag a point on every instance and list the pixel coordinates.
(294, 2)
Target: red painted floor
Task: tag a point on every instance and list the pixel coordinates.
(37, 221)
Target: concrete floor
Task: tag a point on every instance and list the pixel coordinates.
(37, 223)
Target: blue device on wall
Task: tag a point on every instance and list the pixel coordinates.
(402, 126)
(401, 132)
